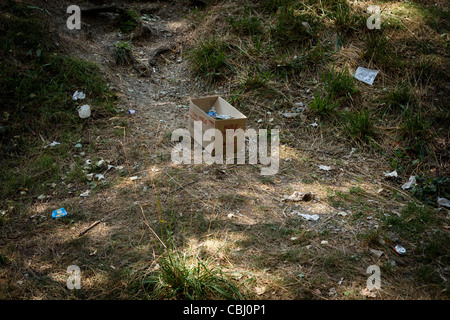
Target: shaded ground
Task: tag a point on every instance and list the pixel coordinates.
(229, 214)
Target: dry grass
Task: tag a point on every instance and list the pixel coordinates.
(229, 215)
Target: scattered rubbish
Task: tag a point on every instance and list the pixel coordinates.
(326, 168)
(443, 202)
(342, 213)
(324, 242)
(230, 215)
(308, 217)
(299, 196)
(3, 212)
(212, 112)
(84, 111)
(367, 293)
(131, 111)
(307, 27)
(99, 176)
(294, 238)
(78, 145)
(134, 178)
(260, 120)
(378, 253)
(41, 197)
(100, 163)
(332, 292)
(366, 75)
(90, 176)
(314, 124)
(78, 95)
(340, 281)
(290, 114)
(53, 144)
(58, 213)
(198, 109)
(271, 120)
(392, 174)
(88, 162)
(410, 183)
(400, 250)
(86, 193)
(260, 290)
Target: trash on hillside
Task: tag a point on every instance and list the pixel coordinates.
(443, 202)
(226, 117)
(90, 176)
(41, 197)
(307, 27)
(84, 111)
(378, 253)
(53, 144)
(392, 174)
(131, 111)
(100, 163)
(309, 217)
(78, 95)
(134, 178)
(99, 176)
(299, 196)
(78, 145)
(400, 250)
(326, 168)
(366, 75)
(410, 183)
(314, 124)
(367, 293)
(86, 193)
(342, 213)
(290, 114)
(324, 242)
(58, 213)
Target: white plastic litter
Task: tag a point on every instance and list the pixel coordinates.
(53, 144)
(366, 75)
(410, 183)
(314, 124)
(308, 217)
(84, 111)
(290, 114)
(78, 95)
(299, 196)
(443, 202)
(326, 168)
(86, 193)
(392, 174)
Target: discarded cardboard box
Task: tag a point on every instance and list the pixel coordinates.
(198, 109)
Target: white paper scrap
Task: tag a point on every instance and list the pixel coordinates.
(366, 75)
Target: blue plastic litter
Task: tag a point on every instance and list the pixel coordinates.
(58, 213)
(212, 112)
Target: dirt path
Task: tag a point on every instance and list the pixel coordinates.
(229, 213)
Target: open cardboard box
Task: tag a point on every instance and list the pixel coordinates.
(198, 109)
